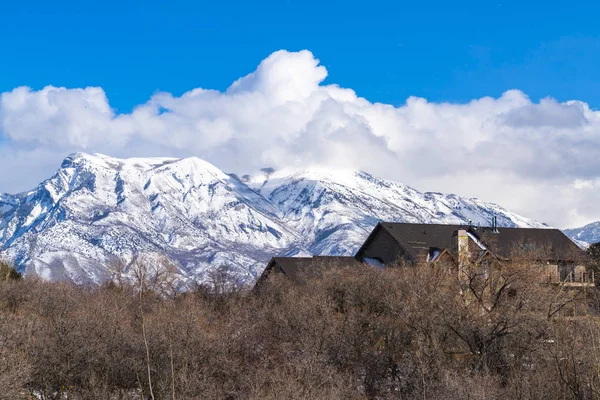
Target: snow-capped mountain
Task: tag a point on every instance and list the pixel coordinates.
(96, 208)
(334, 211)
(585, 235)
(97, 211)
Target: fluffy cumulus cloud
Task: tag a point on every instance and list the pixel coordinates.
(541, 159)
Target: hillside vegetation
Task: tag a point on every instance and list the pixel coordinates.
(349, 333)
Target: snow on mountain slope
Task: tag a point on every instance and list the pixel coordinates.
(585, 235)
(97, 210)
(334, 211)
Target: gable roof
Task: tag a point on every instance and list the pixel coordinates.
(297, 267)
(417, 239)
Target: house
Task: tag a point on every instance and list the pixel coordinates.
(453, 246)
(297, 268)
(393, 243)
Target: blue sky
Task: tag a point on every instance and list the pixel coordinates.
(465, 97)
(385, 50)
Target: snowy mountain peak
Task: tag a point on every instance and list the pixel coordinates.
(99, 162)
(585, 235)
(97, 209)
(350, 178)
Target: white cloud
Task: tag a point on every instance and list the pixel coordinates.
(55, 117)
(534, 158)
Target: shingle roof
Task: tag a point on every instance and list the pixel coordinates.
(297, 267)
(551, 244)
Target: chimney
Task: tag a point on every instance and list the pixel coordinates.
(463, 255)
(463, 247)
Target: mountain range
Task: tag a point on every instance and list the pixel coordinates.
(97, 211)
(585, 235)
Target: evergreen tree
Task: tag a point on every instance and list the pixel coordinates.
(8, 273)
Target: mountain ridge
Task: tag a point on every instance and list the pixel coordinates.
(585, 235)
(97, 209)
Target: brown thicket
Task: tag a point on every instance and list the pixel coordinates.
(413, 332)
(594, 252)
(7, 272)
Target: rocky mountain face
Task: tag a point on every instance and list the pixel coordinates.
(585, 235)
(98, 211)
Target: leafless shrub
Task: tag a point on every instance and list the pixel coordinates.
(411, 332)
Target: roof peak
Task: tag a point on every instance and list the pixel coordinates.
(465, 226)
